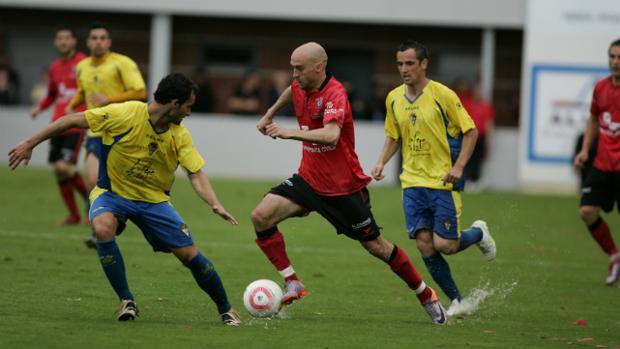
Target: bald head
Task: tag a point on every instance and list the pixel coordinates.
(309, 62)
(312, 52)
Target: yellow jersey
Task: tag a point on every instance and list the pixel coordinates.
(112, 75)
(430, 129)
(136, 162)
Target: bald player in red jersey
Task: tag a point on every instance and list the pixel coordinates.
(330, 179)
(64, 149)
(601, 188)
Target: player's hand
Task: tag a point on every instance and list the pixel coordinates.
(21, 152)
(98, 99)
(275, 131)
(262, 124)
(221, 211)
(34, 112)
(377, 172)
(581, 159)
(454, 175)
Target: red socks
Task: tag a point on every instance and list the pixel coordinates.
(274, 248)
(78, 184)
(600, 232)
(401, 266)
(66, 191)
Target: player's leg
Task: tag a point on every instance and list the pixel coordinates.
(279, 204)
(209, 281)
(91, 166)
(166, 231)
(105, 213)
(76, 179)
(57, 158)
(351, 215)
(596, 195)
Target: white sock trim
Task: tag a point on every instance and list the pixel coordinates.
(420, 288)
(286, 272)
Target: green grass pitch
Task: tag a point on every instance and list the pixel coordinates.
(549, 273)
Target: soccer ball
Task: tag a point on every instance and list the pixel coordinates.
(262, 298)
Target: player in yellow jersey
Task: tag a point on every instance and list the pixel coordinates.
(426, 120)
(104, 77)
(142, 146)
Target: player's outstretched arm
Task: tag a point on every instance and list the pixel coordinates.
(328, 134)
(202, 186)
(588, 138)
(390, 147)
(285, 98)
(23, 150)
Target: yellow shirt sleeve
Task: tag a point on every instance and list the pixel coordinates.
(391, 124)
(111, 120)
(457, 115)
(189, 157)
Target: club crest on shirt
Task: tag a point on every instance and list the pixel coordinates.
(447, 224)
(413, 118)
(152, 148)
(105, 116)
(319, 102)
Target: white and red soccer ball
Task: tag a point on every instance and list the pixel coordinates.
(262, 298)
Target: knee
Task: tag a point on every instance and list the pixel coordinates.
(261, 219)
(63, 171)
(379, 248)
(447, 246)
(424, 243)
(105, 229)
(589, 214)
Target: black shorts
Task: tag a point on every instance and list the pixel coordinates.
(65, 147)
(349, 214)
(601, 189)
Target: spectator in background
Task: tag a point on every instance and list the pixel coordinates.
(9, 82)
(205, 100)
(246, 99)
(280, 81)
(483, 114)
(8, 91)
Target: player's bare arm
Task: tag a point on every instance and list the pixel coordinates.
(328, 134)
(284, 99)
(588, 138)
(467, 147)
(202, 186)
(390, 146)
(23, 150)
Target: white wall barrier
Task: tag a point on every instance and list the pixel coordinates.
(232, 147)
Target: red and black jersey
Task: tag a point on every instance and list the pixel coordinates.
(62, 86)
(606, 107)
(331, 170)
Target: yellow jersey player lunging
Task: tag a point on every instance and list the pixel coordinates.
(142, 146)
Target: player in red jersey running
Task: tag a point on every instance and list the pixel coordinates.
(330, 179)
(601, 188)
(64, 149)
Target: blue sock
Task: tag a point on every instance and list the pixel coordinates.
(114, 267)
(440, 271)
(470, 237)
(210, 282)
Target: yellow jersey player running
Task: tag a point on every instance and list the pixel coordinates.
(426, 120)
(142, 146)
(102, 78)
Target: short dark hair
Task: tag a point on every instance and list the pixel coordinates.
(175, 86)
(615, 43)
(65, 28)
(421, 51)
(99, 25)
